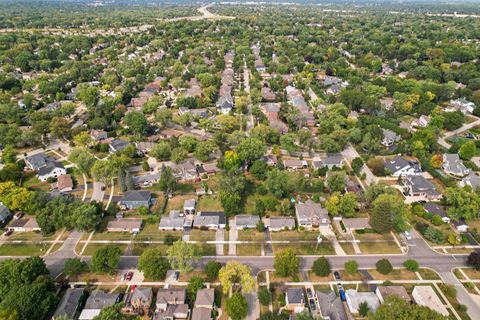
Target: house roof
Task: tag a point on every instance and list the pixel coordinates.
(69, 303)
(420, 184)
(311, 211)
(246, 220)
(331, 306)
(174, 220)
(435, 209)
(295, 295)
(356, 223)
(429, 298)
(390, 135)
(333, 160)
(205, 297)
(399, 162)
(189, 203)
(171, 296)
(398, 291)
(49, 167)
(142, 294)
(205, 218)
(128, 224)
(453, 163)
(118, 144)
(4, 211)
(64, 182)
(136, 195)
(99, 300)
(294, 163)
(356, 298)
(473, 180)
(146, 178)
(201, 314)
(281, 222)
(38, 160)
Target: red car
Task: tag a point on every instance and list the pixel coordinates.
(129, 276)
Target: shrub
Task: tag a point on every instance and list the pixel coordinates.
(211, 270)
(363, 309)
(321, 267)
(351, 266)
(384, 266)
(449, 290)
(411, 265)
(434, 235)
(264, 296)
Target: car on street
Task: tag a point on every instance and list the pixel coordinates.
(336, 275)
(129, 276)
(407, 235)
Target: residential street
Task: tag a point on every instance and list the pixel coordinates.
(443, 139)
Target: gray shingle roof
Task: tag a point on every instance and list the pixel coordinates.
(295, 295)
(69, 303)
(137, 195)
(331, 306)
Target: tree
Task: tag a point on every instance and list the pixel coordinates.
(258, 169)
(232, 188)
(236, 274)
(411, 265)
(60, 127)
(462, 203)
(237, 307)
(82, 139)
(374, 190)
(113, 313)
(14, 197)
(363, 309)
(168, 182)
(137, 123)
(264, 296)
(183, 255)
(467, 150)
(83, 159)
(277, 183)
(286, 263)
(73, 266)
(436, 160)
(251, 149)
(9, 155)
(336, 181)
(231, 160)
(188, 142)
(384, 266)
(211, 270)
(397, 308)
(357, 165)
(105, 259)
(321, 267)
(351, 267)
(161, 151)
(388, 212)
(473, 260)
(153, 264)
(204, 150)
(194, 284)
(377, 165)
(342, 204)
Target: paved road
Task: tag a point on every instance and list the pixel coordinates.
(443, 140)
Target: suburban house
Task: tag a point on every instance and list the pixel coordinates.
(331, 306)
(53, 169)
(170, 304)
(24, 225)
(389, 138)
(64, 183)
(117, 145)
(212, 220)
(98, 135)
(201, 313)
(175, 221)
(225, 103)
(418, 186)
(462, 105)
(144, 147)
(472, 180)
(70, 304)
(426, 296)
(400, 167)
(96, 302)
(355, 298)
(332, 161)
(461, 225)
(295, 164)
(453, 165)
(383, 292)
(245, 221)
(5, 214)
(280, 223)
(146, 180)
(295, 300)
(311, 215)
(436, 210)
(270, 159)
(421, 122)
(205, 298)
(356, 223)
(37, 161)
(189, 206)
(135, 199)
(125, 225)
(186, 170)
(139, 300)
(208, 168)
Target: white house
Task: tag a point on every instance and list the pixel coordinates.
(52, 169)
(400, 167)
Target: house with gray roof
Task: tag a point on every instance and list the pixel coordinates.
(146, 180)
(355, 298)
(201, 314)
(383, 292)
(418, 186)
(5, 214)
(225, 103)
(175, 221)
(245, 221)
(205, 298)
(311, 215)
(53, 169)
(330, 162)
(356, 223)
(139, 300)
(436, 209)
(280, 223)
(170, 296)
(472, 180)
(331, 306)
(125, 225)
(117, 145)
(135, 199)
(453, 165)
(70, 304)
(295, 164)
(389, 138)
(96, 302)
(295, 300)
(211, 220)
(400, 167)
(37, 161)
(186, 170)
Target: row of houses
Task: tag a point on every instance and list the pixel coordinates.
(169, 304)
(225, 101)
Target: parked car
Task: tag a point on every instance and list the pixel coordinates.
(343, 297)
(18, 215)
(8, 232)
(176, 275)
(336, 275)
(312, 305)
(407, 235)
(309, 293)
(129, 276)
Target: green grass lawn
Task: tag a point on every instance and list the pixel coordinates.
(347, 247)
(428, 274)
(209, 203)
(32, 236)
(111, 236)
(31, 181)
(306, 248)
(150, 232)
(23, 249)
(250, 235)
(202, 235)
(249, 249)
(138, 248)
(92, 247)
(293, 235)
(379, 247)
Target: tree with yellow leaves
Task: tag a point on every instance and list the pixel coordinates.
(236, 274)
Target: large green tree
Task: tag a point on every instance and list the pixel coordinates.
(105, 259)
(153, 264)
(286, 263)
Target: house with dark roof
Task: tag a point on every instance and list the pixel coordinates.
(70, 304)
(472, 180)
(245, 221)
(37, 161)
(97, 301)
(170, 304)
(211, 220)
(331, 306)
(174, 221)
(146, 180)
(53, 169)
(225, 103)
(280, 223)
(117, 145)
(436, 210)
(135, 199)
(295, 300)
(418, 186)
(139, 300)
(389, 138)
(311, 215)
(453, 165)
(330, 162)
(5, 214)
(400, 167)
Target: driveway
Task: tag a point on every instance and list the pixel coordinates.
(443, 140)
(253, 306)
(327, 232)
(268, 244)
(219, 237)
(98, 193)
(232, 238)
(350, 153)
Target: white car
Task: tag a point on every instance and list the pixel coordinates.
(407, 235)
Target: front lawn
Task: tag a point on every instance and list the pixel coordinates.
(202, 235)
(295, 235)
(24, 249)
(250, 235)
